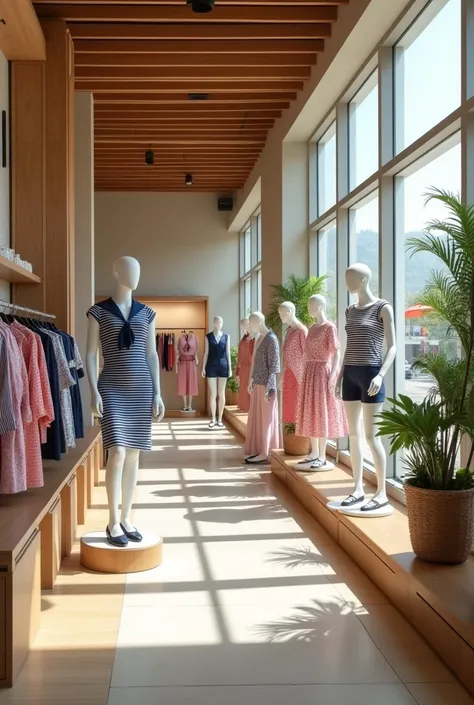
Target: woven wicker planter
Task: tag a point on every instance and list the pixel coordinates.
(295, 445)
(441, 524)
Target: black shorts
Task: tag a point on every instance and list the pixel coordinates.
(356, 383)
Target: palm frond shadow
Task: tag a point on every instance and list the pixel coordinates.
(293, 558)
(308, 624)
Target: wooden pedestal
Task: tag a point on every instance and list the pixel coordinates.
(98, 555)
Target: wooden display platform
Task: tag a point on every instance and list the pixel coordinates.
(437, 600)
(100, 556)
(37, 530)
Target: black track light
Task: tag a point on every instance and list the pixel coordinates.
(188, 180)
(201, 7)
(149, 157)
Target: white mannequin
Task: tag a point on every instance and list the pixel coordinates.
(317, 310)
(259, 330)
(217, 385)
(187, 398)
(244, 329)
(358, 278)
(122, 463)
(287, 313)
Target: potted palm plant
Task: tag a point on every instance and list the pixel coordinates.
(440, 493)
(232, 386)
(297, 290)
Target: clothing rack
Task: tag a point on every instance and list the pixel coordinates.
(31, 312)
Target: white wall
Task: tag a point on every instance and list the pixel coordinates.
(4, 175)
(181, 242)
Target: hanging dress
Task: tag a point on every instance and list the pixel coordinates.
(320, 413)
(125, 383)
(242, 371)
(293, 356)
(187, 368)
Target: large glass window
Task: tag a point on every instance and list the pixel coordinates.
(419, 331)
(327, 170)
(428, 71)
(327, 264)
(364, 236)
(363, 132)
(383, 202)
(251, 266)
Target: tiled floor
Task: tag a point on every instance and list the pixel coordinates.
(254, 604)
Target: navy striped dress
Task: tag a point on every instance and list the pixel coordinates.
(125, 383)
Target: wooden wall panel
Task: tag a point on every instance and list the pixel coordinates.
(58, 288)
(28, 174)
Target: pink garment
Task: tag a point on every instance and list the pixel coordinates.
(244, 362)
(263, 429)
(293, 365)
(320, 414)
(41, 403)
(34, 465)
(187, 368)
(13, 473)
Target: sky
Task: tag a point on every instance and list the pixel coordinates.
(428, 89)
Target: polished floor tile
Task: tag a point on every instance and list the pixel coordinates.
(254, 603)
(265, 695)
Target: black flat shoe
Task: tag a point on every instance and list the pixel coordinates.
(132, 535)
(120, 541)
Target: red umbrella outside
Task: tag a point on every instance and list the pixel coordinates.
(417, 311)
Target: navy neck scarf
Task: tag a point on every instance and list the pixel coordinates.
(126, 336)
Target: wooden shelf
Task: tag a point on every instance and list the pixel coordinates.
(11, 272)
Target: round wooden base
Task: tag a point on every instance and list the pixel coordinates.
(100, 556)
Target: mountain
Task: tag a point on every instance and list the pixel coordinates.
(417, 267)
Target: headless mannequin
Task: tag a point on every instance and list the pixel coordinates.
(287, 313)
(122, 463)
(317, 459)
(244, 329)
(358, 278)
(217, 385)
(187, 398)
(259, 330)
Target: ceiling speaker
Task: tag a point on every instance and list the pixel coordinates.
(225, 204)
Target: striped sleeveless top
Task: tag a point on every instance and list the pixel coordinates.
(365, 335)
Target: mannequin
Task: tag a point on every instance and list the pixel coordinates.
(217, 367)
(127, 394)
(293, 353)
(244, 361)
(186, 363)
(369, 324)
(262, 425)
(320, 414)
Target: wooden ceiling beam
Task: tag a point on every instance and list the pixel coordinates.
(184, 141)
(192, 32)
(218, 46)
(192, 60)
(152, 88)
(208, 123)
(190, 73)
(165, 112)
(170, 128)
(282, 99)
(157, 3)
(183, 13)
(21, 36)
